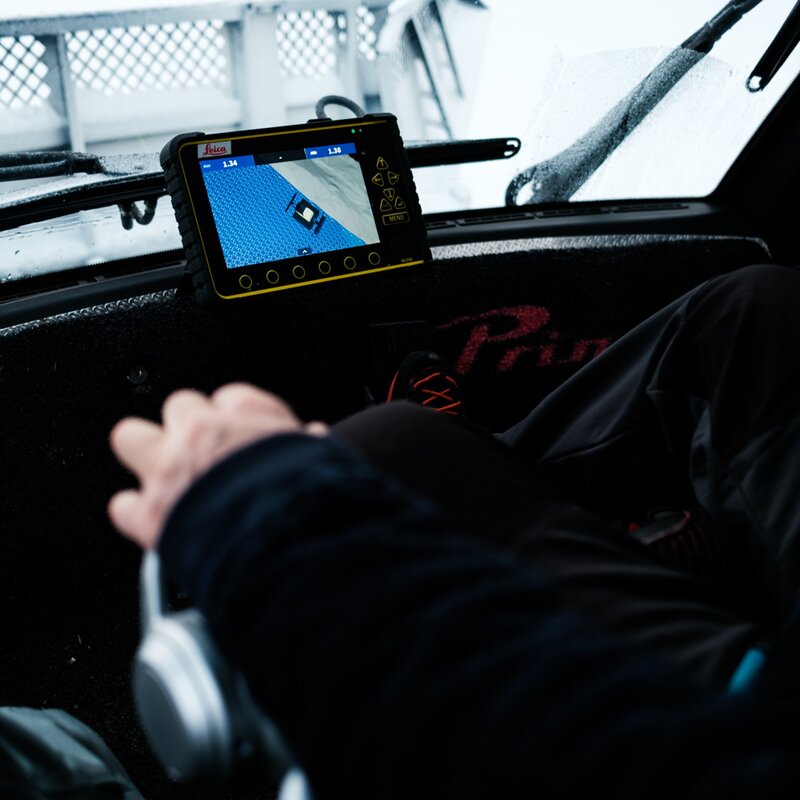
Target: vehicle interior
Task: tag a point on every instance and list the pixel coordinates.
(545, 248)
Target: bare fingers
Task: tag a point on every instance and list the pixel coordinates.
(136, 519)
(137, 444)
(244, 398)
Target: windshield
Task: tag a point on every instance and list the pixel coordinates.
(111, 77)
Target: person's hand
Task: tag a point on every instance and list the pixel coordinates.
(196, 432)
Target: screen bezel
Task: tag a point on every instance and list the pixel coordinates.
(374, 138)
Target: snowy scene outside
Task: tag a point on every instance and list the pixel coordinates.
(129, 75)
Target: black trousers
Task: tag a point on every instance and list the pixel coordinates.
(698, 405)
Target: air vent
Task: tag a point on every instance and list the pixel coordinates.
(576, 211)
(572, 212)
(493, 218)
(649, 207)
(433, 226)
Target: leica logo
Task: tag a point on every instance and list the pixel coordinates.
(213, 149)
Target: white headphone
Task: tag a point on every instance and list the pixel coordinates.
(197, 712)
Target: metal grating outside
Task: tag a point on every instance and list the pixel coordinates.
(170, 56)
(367, 37)
(22, 72)
(174, 55)
(308, 41)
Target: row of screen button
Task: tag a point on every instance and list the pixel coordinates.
(299, 271)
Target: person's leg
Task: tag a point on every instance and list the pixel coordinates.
(702, 399)
(467, 472)
(599, 570)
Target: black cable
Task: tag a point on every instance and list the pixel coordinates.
(130, 213)
(337, 100)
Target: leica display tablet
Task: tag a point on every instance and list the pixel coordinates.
(281, 208)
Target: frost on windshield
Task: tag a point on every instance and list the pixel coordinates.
(83, 239)
(611, 120)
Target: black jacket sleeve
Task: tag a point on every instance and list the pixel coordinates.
(401, 661)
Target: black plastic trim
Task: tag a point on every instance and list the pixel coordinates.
(656, 217)
(763, 182)
(84, 293)
(34, 299)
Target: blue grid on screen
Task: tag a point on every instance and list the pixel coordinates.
(252, 209)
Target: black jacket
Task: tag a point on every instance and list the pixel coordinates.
(401, 661)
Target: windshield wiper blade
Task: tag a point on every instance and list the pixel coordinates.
(125, 180)
(558, 178)
(46, 164)
(88, 182)
(778, 51)
(464, 151)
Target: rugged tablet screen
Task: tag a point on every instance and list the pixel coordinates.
(280, 208)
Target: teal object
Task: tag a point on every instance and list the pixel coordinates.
(747, 671)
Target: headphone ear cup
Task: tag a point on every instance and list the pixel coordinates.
(183, 694)
(196, 711)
